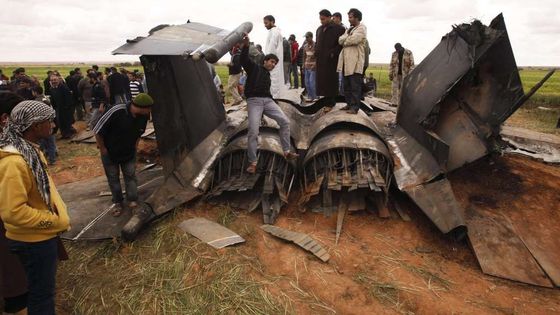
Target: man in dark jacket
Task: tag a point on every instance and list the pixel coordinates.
(119, 87)
(259, 102)
(327, 50)
(62, 102)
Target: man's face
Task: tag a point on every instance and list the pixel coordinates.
(336, 20)
(309, 39)
(142, 111)
(43, 129)
(55, 81)
(268, 24)
(352, 20)
(269, 64)
(324, 19)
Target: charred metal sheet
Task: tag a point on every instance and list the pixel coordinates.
(413, 164)
(302, 240)
(86, 206)
(83, 136)
(343, 162)
(437, 201)
(500, 251)
(538, 145)
(211, 232)
(183, 115)
(191, 38)
(461, 92)
(272, 181)
(540, 238)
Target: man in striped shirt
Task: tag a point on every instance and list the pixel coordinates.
(135, 84)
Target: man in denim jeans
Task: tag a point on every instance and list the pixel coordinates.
(259, 102)
(117, 133)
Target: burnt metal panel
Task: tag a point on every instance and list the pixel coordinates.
(87, 209)
(184, 113)
(471, 71)
(500, 251)
(437, 201)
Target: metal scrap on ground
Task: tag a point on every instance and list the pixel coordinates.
(302, 240)
(210, 232)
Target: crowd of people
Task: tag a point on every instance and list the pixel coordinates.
(116, 107)
(32, 212)
(331, 61)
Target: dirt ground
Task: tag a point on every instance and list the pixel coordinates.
(388, 266)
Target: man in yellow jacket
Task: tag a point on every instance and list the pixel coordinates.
(31, 208)
(351, 60)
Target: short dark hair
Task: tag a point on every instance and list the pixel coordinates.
(269, 18)
(271, 56)
(37, 89)
(338, 15)
(8, 100)
(356, 13)
(325, 12)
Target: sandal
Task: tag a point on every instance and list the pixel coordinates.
(116, 209)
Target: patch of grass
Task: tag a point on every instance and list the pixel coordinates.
(537, 119)
(389, 293)
(489, 306)
(163, 272)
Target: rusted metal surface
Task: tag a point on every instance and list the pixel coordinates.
(500, 251)
(211, 232)
(302, 240)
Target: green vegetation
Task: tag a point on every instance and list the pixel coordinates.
(529, 116)
(165, 271)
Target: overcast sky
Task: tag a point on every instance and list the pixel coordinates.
(71, 30)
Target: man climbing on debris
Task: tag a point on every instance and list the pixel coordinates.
(117, 133)
(259, 102)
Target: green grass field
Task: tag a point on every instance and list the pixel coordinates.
(529, 116)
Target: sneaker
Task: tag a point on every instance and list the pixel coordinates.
(290, 155)
(252, 168)
(132, 204)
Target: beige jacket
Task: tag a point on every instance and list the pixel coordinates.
(352, 56)
(407, 66)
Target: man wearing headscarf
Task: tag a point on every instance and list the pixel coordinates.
(13, 283)
(30, 206)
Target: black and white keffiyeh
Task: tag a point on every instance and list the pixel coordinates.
(22, 117)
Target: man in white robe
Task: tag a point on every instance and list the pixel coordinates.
(274, 45)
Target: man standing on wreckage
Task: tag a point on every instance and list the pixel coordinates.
(259, 102)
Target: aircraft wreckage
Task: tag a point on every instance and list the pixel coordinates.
(452, 107)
